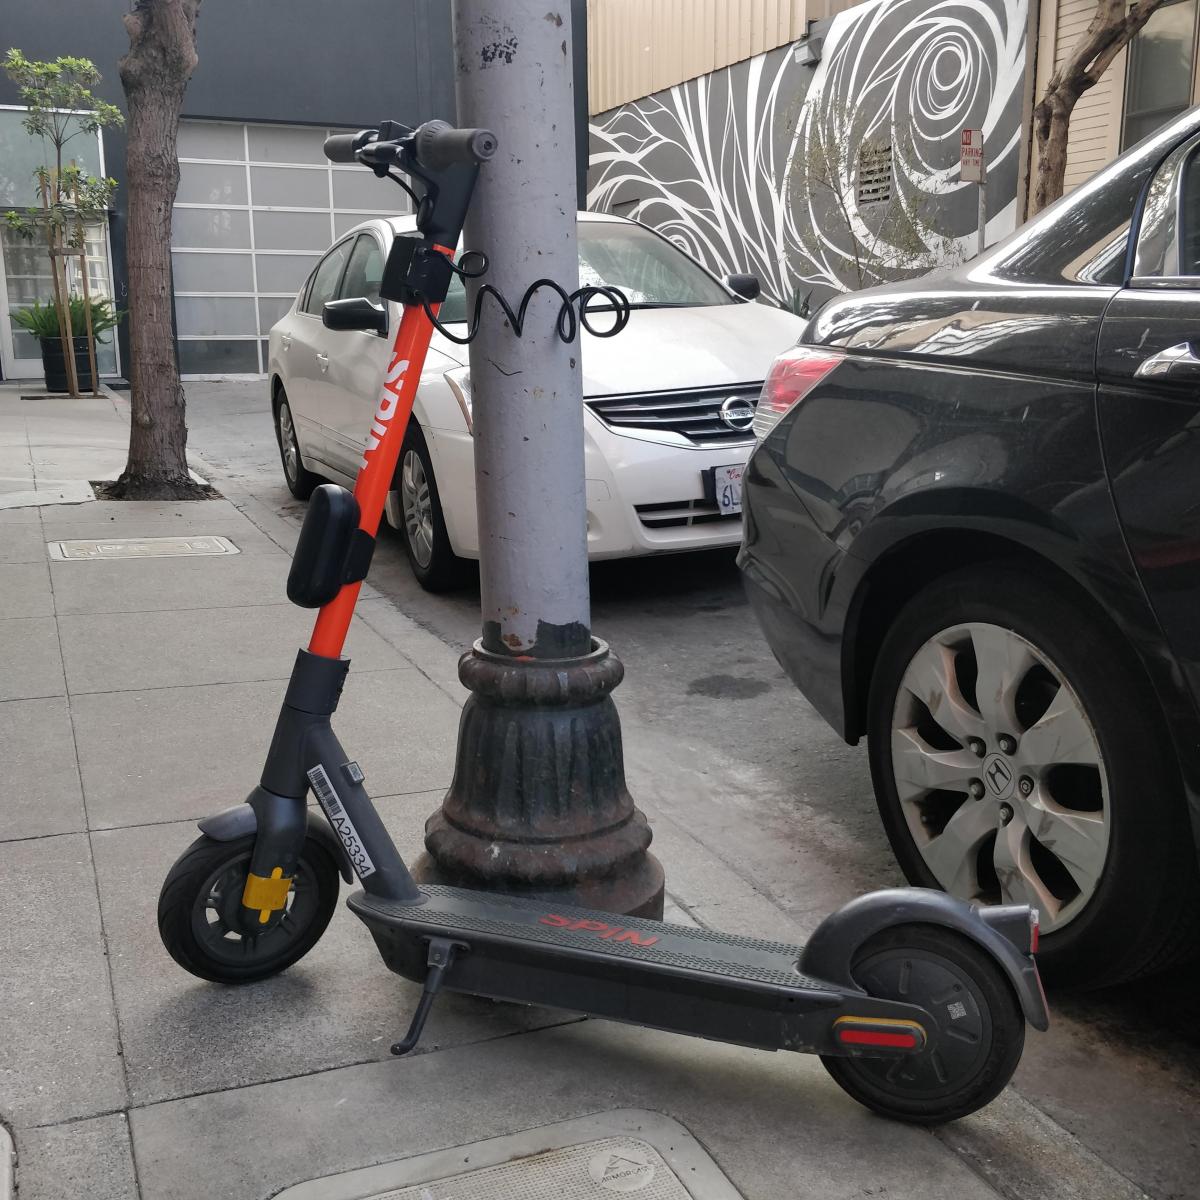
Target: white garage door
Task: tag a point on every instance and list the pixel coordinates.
(257, 206)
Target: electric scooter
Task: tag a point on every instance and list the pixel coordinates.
(915, 1001)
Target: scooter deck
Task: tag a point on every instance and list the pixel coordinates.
(673, 977)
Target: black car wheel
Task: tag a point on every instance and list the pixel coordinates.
(1017, 757)
(300, 480)
(422, 525)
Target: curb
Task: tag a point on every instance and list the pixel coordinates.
(6, 1164)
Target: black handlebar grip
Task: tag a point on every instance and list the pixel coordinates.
(342, 148)
(438, 145)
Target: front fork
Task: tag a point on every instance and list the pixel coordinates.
(305, 753)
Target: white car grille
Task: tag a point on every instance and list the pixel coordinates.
(695, 413)
(678, 514)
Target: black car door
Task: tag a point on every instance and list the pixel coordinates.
(1148, 362)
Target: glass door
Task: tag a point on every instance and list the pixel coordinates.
(24, 263)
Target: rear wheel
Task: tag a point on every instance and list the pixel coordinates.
(300, 480)
(199, 912)
(979, 1030)
(1019, 757)
(422, 525)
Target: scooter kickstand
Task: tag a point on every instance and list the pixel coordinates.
(441, 956)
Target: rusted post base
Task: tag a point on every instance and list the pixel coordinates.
(538, 805)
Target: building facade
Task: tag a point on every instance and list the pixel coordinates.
(257, 203)
(817, 144)
(1151, 81)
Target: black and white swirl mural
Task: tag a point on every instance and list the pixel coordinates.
(835, 176)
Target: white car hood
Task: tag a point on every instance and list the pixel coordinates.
(662, 349)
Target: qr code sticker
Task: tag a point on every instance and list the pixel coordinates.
(957, 1010)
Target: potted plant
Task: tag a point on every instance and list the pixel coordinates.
(59, 106)
(42, 320)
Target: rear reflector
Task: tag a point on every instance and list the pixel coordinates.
(792, 376)
(877, 1033)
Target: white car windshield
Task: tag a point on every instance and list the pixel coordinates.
(647, 268)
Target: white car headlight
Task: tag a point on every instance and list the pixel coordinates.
(459, 381)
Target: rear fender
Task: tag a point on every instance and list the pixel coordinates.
(1001, 932)
(240, 820)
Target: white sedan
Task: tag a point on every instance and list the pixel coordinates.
(667, 411)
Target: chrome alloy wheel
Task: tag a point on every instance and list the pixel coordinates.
(287, 441)
(417, 505)
(999, 773)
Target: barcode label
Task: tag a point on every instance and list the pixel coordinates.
(326, 796)
(331, 805)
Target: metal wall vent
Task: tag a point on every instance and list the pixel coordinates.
(875, 173)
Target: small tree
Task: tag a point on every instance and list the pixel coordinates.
(61, 106)
(154, 74)
(878, 240)
(1112, 26)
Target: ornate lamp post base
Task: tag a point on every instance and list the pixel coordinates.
(538, 805)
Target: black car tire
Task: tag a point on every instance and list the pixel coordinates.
(422, 525)
(1143, 912)
(299, 479)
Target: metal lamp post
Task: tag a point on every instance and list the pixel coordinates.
(538, 804)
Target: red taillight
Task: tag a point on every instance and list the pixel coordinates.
(792, 376)
(1035, 934)
(879, 1033)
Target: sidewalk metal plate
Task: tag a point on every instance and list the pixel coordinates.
(628, 1152)
(192, 545)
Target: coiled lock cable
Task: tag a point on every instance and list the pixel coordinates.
(574, 312)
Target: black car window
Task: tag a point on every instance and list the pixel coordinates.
(364, 271)
(1168, 240)
(325, 280)
(1081, 238)
(1189, 217)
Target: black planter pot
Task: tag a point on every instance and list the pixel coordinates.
(54, 363)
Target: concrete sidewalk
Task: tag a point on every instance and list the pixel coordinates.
(137, 696)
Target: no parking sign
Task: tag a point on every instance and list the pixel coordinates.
(970, 158)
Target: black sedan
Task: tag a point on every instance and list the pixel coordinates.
(972, 536)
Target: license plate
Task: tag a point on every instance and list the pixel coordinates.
(727, 485)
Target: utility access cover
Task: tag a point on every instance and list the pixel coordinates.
(628, 1152)
(152, 547)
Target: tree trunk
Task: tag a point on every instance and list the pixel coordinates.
(154, 74)
(1111, 28)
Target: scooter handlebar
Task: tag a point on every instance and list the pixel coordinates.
(437, 145)
(343, 147)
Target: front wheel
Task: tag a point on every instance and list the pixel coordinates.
(978, 1034)
(199, 912)
(422, 523)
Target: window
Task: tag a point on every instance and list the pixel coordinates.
(325, 281)
(1168, 238)
(364, 273)
(1189, 217)
(648, 268)
(257, 209)
(1159, 79)
(24, 265)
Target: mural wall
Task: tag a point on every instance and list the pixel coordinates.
(834, 176)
